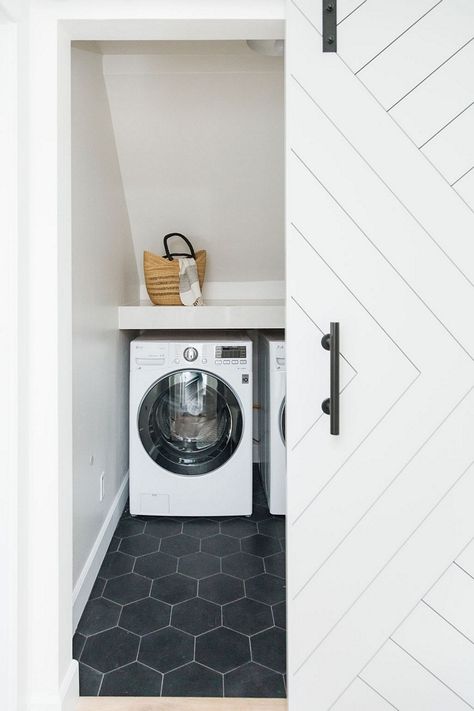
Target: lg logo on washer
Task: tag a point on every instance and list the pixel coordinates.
(191, 425)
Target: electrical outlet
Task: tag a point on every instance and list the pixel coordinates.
(102, 486)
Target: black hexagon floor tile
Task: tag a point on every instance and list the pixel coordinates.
(174, 588)
(213, 559)
(222, 649)
(116, 564)
(221, 588)
(139, 545)
(129, 527)
(254, 681)
(111, 649)
(273, 527)
(179, 545)
(98, 615)
(259, 513)
(259, 497)
(192, 680)
(247, 616)
(243, 565)
(163, 527)
(199, 565)
(279, 614)
(266, 588)
(145, 616)
(155, 565)
(114, 544)
(200, 527)
(89, 680)
(127, 588)
(97, 588)
(269, 649)
(220, 545)
(275, 564)
(261, 545)
(166, 649)
(135, 679)
(78, 642)
(238, 527)
(221, 518)
(196, 616)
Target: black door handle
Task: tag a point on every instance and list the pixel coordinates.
(330, 406)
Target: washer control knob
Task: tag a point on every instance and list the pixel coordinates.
(190, 354)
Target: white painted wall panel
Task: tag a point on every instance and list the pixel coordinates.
(407, 685)
(360, 697)
(440, 648)
(374, 26)
(439, 98)
(335, 661)
(382, 507)
(341, 574)
(350, 181)
(466, 559)
(104, 275)
(346, 7)
(200, 145)
(453, 598)
(384, 147)
(419, 51)
(452, 150)
(465, 188)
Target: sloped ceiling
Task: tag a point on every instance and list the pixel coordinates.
(199, 135)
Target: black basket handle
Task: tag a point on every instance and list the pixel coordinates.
(169, 255)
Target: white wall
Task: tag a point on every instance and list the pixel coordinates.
(47, 675)
(199, 131)
(9, 231)
(104, 275)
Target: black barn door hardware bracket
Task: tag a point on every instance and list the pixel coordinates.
(330, 406)
(329, 25)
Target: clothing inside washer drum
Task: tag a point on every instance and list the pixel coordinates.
(196, 417)
(190, 422)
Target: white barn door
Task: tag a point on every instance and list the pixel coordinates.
(380, 238)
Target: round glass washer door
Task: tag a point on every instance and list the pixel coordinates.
(190, 422)
(283, 420)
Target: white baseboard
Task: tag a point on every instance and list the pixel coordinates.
(65, 699)
(69, 690)
(83, 587)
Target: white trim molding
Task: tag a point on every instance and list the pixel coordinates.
(85, 582)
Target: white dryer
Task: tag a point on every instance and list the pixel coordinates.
(272, 374)
(191, 424)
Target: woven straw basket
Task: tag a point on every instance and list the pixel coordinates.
(162, 273)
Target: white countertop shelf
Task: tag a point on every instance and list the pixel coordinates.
(229, 314)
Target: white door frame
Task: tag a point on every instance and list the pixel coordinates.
(9, 229)
(48, 675)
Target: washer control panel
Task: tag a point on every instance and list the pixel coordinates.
(190, 354)
(231, 355)
(231, 352)
(153, 354)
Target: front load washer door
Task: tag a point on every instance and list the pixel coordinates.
(190, 422)
(282, 419)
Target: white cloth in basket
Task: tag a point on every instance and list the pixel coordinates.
(189, 288)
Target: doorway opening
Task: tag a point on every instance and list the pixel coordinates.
(181, 135)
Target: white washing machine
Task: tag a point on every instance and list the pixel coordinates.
(272, 373)
(191, 424)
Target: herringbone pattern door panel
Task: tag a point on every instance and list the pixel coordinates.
(380, 240)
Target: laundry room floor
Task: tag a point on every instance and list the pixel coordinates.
(188, 607)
